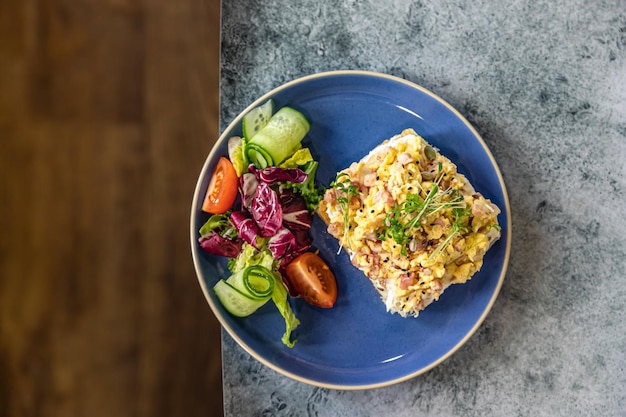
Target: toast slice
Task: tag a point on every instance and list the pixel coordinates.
(410, 222)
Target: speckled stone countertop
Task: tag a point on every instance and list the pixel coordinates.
(544, 83)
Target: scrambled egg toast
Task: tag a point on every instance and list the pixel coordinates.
(410, 222)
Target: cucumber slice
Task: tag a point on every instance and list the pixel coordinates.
(245, 291)
(256, 119)
(258, 156)
(280, 138)
(255, 281)
(234, 301)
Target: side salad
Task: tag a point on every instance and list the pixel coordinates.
(261, 201)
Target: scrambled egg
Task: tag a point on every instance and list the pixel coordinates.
(404, 178)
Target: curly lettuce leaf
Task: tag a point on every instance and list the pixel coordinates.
(279, 297)
(218, 223)
(236, 155)
(249, 256)
(299, 158)
(311, 193)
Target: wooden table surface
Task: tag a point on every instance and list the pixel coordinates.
(107, 112)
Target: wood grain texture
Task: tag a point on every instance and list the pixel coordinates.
(107, 112)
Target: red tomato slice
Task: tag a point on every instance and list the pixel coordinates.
(313, 280)
(222, 190)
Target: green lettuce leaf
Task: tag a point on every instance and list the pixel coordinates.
(251, 256)
(219, 223)
(279, 297)
(311, 193)
(236, 155)
(300, 157)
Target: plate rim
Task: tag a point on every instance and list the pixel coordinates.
(195, 251)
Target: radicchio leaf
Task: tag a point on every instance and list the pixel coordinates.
(247, 188)
(296, 215)
(266, 210)
(271, 175)
(282, 243)
(303, 241)
(220, 246)
(246, 227)
(303, 244)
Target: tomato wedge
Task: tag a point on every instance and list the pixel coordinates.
(222, 190)
(313, 280)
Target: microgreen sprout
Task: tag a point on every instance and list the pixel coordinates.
(344, 191)
(405, 217)
(460, 215)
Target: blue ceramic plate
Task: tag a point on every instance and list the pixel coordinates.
(357, 344)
